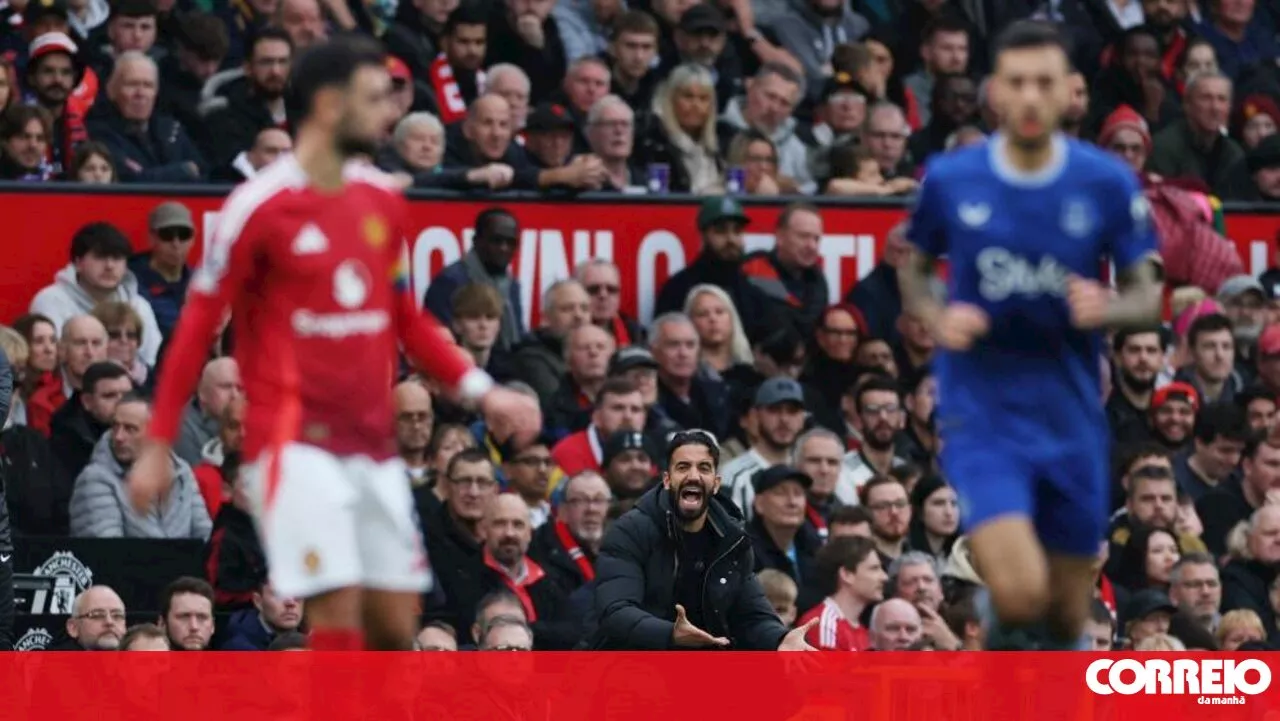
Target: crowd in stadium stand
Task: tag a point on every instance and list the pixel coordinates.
(823, 413)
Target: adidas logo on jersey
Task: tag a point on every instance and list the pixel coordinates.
(310, 241)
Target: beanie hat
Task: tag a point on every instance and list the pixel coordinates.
(1124, 118)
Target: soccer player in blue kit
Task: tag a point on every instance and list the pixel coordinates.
(1027, 221)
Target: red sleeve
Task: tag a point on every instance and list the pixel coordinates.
(213, 288)
(424, 339)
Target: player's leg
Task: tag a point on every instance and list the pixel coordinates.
(304, 505)
(393, 558)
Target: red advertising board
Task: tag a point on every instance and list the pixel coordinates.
(647, 239)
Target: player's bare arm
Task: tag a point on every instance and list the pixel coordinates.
(1141, 286)
(956, 326)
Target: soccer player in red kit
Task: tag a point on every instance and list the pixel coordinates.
(851, 571)
(309, 257)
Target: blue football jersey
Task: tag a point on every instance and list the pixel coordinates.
(1011, 239)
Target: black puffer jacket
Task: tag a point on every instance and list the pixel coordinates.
(636, 572)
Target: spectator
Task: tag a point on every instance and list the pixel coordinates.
(219, 385)
(457, 74)
(1147, 559)
(896, 625)
(1260, 180)
(100, 504)
(1138, 355)
(879, 417)
(248, 105)
(722, 341)
(956, 107)
(1221, 431)
(145, 146)
(781, 538)
(935, 518)
(1239, 497)
(633, 55)
(886, 137)
(548, 137)
(269, 145)
(1240, 37)
(162, 273)
(512, 85)
(771, 98)
(477, 320)
(1100, 629)
(415, 421)
(1239, 627)
(144, 637)
(778, 416)
(636, 364)
(527, 35)
(841, 112)
(628, 469)
(653, 592)
(586, 82)
(92, 164)
(98, 272)
(886, 498)
(436, 636)
(494, 605)
(756, 156)
(584, 26)
(684, 134)
(83, 343)
(80, 423)
(488, 262)
(611, 138)
(568, 547)
(53, 72)
(540, 359)
(1211, 372)
(850, 521)
(1196, 147)
(97, 621)
(254, 629)
(913, 351)
(24, 135)
(701, 37)
(1146, 614)
(186, 613)
(124, 336)
(603, 283)
(877, 295)
(789, 275)
(1257, 118)
(721, 223)
(528, 477)
(504, 633)
(919, 441)
(944, 50)
(1248, 576)
(453, 535)
(687, 398)
(131, 28)
(811, 31)
(819, 453)
(414, 35)
(849, 573)
(417, 146)
(1196, 589)
(619, 406)
(781, 592)
(233, 559)
(215, 486)
(200, 45)
(303, 22)
(243, 21)
(404, 92)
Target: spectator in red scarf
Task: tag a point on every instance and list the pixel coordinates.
(567, 547)
(619, 406)
(603, 282)
(53, 72)
(83, 343)
(457, 74)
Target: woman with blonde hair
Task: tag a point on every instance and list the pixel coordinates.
(16, 350)
(685, 134)
(1238, 627)
(723, 341)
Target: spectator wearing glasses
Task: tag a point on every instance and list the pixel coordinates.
(755, 153)
(453, 535)
(886, 498)
(124, 336)
(567, 548)
(97, 621)
(505, 633)
(885, 135)
(611, 138)
(603, 283)
(162, 272)
(528, 473)
(878, 419)
(1195, 587)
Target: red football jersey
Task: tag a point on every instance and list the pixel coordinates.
(319, 293)
(834, 632)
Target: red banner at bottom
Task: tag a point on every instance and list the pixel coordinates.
(624, 686)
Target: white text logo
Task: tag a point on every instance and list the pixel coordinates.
(340, 325)
(1005, 274)
(1210, 677)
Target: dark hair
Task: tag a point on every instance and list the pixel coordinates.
(328, 65)
(876, 481)
(1131, 568)
(134, 9)
(101, 371)
(181, 585)
(845, 552)
(265, 34)
(780, 343)
(1122, 43)
(1211, 323)
(16, 118)
(849, 516)
(468, 455)
(784, 218)
(961, 611)
(135, 396)
(230, 468)
(203, 34)
(615, 387)
(1149, 473)
(1028, 34)
(26, 325)
(945, 22)
(101, 239)
(883, 385)
(1222, 420)
(1192, 633)
(1099, 613)
(467, 13)
(906, 472)
(694, 437)
(917, 379)
(1130, 453)
(139, 631)
(493, 598)
(442, 431)
(1193, 42)
(636, 22)
(84, 152)
(1255, 442)
(1123, 335)
(1256, 392)
(288, 641)
(486, 217)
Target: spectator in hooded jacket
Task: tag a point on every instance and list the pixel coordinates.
(234, 561)
(147, 147)
(252, 103)
(253, 629)
(98, 272)
(100, 504)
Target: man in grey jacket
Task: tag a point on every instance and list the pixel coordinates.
(219, 385)
(100, 505)
(772, 96)
(811, 32)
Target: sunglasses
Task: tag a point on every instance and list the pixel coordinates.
(603, 289)
(172, 235)
(132, 335)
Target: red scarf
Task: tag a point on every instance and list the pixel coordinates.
(533, 574)
(620, 333)
(575, 551)
(817, 520)
(1107, 594)
(448, 95)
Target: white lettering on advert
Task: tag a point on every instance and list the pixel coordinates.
(1209, 677)
(340, 325)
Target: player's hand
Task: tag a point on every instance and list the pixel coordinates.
(511, 416)
(151, 476)
(794, 640)
(686, 635)
(960, 325)
(1088, 301)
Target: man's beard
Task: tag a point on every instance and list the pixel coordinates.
(1136, 384)
(871, 438)
(690, 514)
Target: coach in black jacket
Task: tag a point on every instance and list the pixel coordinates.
(677, 570)
(6, 537)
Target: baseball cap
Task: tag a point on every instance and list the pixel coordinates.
(548, 117)
(701, 18)
(1146, 602)
(840, 82)
(718, 208)
(774, 476)
(397, 69)
(1176, 391)
(37, 9)
(52, 43)
(621, 442)
(779, 389)
(1265, 154)
(1269, 341)
(170, 214)
(625, 359)
(1238, 285)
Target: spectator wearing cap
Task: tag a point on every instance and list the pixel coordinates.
(566, 548)
(1257, 179)
(611, 138)
(618, 407)
(24, 144)
(457, 73)
(1211, 341)
(838, 119)
(628, 469)
(586, 82)
(1244, 302)
(404, 92)
(253, 102)
(632, 56)
(781, 537)
(526, 34)
(1196, 147)
(53, 72)
(549, 135)
(812, 29)
(636, 365)
(1146, 614)
(162, 272)
(1170, 417)
(270, 144)
(702, 38)
(1234, 501)
(488, 262)
(1256, 118)
(98, 272)
(777, 416)
(771, 98)
(146, 146)
(200, 46)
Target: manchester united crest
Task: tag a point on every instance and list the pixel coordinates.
(375, 231)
